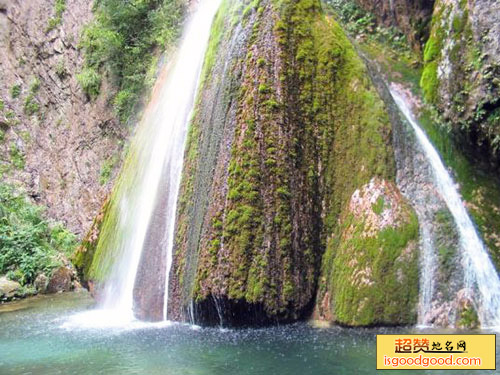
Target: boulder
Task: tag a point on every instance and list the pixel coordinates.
(8, 288)
(41, 283)
(60, 280)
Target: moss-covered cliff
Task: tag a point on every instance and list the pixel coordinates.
(286, 127)
(461, 73)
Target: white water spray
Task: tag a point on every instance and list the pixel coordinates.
(158, 146)
(478, 267)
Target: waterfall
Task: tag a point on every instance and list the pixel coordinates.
(478, 268)
(145, 196)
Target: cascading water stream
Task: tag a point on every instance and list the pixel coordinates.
(152, 173)
(478, 268)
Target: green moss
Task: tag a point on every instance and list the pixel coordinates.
(468, 318)
(378, 206)
(263, 88)
(459, 22)
(432, 49)
(107, 169)
(430, 82)
(374, 281)
(216, 34)
(84, 255)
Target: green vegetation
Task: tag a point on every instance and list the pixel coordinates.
(59, 8)
(121, 42)
(216, 34)
(61, 70)
(15, 91)
(358, 21)
(107, 169)
(477, 187)
(378, 206)
(468, 318)
(374, 279)
(385, 45)
(29, 244)
(90, 81)
(16, 156)
(31, 105)
(308, 130)
(429, 81)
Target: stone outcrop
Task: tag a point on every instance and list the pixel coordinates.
(287, 126)
(462, 74)
(41, 283)
(60, 281)
(8, 289)
(370, 271)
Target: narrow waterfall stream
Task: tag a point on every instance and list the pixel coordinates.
(479, 272)
(146, 193)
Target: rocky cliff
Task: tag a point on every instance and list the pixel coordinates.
(55, 142)
(461, 51)
(462, 75)
(411, 17)
(287, 129)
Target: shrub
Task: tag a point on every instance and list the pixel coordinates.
(59, 8)
(90, 81)
(16, 156)
(120, 43)
(31, 106)
(15, 91)
(29, 244)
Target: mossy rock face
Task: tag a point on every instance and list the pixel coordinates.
(84, 255)
(370, 271)
(461, 80)
(287, 125)
(461, 74)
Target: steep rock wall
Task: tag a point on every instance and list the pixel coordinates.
(286, 128)
(55, 143)
(462, 74)
(411, 17)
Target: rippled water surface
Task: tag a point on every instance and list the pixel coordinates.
(35, 338)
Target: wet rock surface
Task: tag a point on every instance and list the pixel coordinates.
(462, 74)
(282, 137)
(441, 271)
